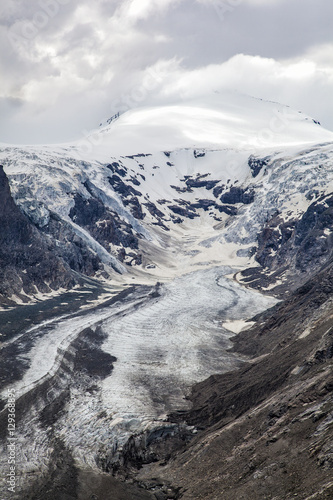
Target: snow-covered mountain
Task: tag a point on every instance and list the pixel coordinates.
(159, 191)
(181, 223)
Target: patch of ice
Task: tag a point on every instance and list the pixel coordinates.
(238, 326)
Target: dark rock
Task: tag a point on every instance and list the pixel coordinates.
(211, 184)
(217, 191)
(205, 204)
(227, 209)
(176, 220)
(182, 190)
(314, 193)
(184, 212)
(51, 413)
(195, 183)
(61, 479)
(89, 357)
(105, 226)
(238, 195)
(72, 249)
(146, 448)
(256, 165)
(140, 155)
(134, 181)
(117, 169)
(199, 153)
(135, 207)
(28, 261)
(120, 187)
(153, 210)
(246, 252)
(161, 495)
(300, 245)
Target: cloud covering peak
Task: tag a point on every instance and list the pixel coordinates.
(67, 65)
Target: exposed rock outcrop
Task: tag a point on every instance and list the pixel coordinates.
(104, 225)
(28, 261)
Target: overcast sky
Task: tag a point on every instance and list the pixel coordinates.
(67, 65)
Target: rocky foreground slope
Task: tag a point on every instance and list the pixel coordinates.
(265, 431)
(128, 264)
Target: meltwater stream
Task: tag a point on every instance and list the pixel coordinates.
(164, 340)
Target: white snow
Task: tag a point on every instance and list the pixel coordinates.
(238, 325)
(229, 120)
(305, 334)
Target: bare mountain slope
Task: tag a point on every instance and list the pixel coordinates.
(266, 429)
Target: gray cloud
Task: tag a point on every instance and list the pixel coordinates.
(67, 64)
(278, 30)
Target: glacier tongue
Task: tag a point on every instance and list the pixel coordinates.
(163, 342)
(174, 340)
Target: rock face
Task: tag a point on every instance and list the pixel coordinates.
(238, 195)
(256, 165)
(104, 225)
(41, 251)
(294, 248)
(27, 262)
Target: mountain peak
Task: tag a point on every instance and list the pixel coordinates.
(219, 120)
